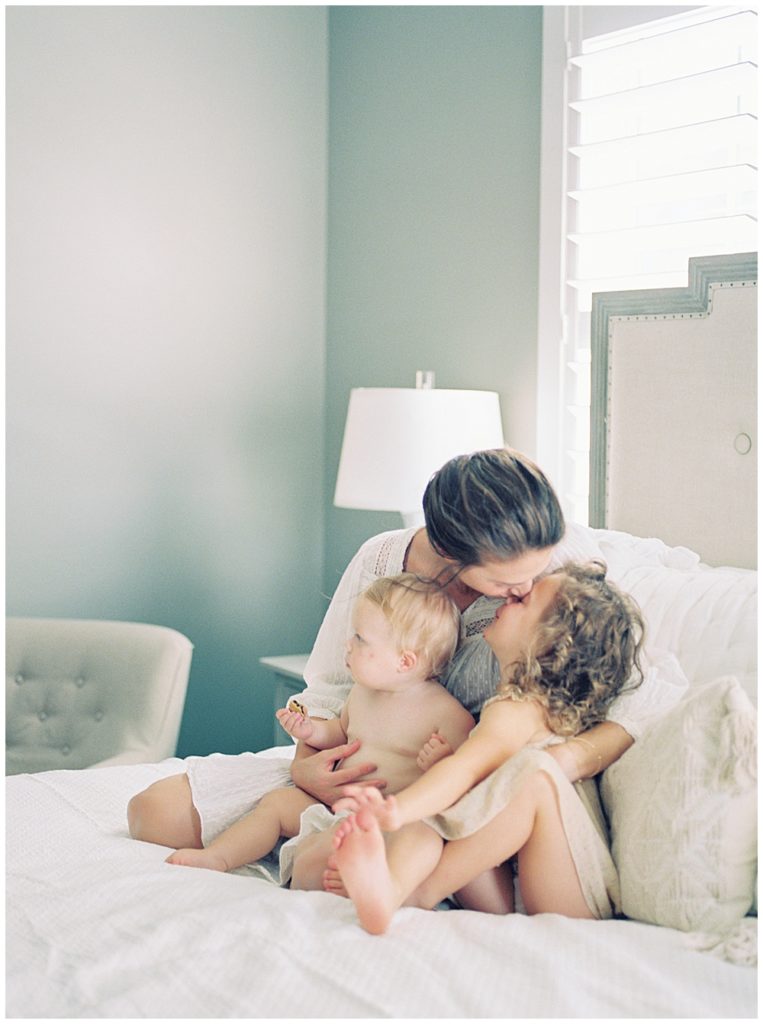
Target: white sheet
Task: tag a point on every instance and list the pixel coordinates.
(100, 926)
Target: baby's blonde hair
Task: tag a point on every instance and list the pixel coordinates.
(421, 616)
(585, 651)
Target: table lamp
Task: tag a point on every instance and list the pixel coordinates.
(396, 438)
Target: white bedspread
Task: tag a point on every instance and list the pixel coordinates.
(99, 926)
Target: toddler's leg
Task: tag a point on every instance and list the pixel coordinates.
(379, 877)
(492, 892)
(531, 825)
(253, 836)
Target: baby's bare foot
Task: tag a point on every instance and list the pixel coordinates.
(197, 859)
(332, 879)
(361, 858)
(342, 830)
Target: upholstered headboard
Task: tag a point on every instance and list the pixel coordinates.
(674, 411)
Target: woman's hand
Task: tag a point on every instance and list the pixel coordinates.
(314, 772)
(566, 756)
(590, 753)
(383, 808)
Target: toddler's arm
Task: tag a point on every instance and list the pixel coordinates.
(505, 727)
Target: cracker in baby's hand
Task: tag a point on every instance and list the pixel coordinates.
(294, 705)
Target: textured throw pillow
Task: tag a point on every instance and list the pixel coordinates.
(682, 809)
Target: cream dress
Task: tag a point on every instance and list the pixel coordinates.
(582, 818)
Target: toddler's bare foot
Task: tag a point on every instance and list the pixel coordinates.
(332, 880)
(198, 859)
(361, 858)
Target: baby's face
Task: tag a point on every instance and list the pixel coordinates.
(372, 656)
(515, 622)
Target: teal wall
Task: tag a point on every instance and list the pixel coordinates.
(434, 156)
(166, 172)
(220, 219)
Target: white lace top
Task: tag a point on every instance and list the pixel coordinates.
(472, 675)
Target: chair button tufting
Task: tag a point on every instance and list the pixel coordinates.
(98, 716)
(42, 715)
(19, 679)
(66, 749)
(79, 681)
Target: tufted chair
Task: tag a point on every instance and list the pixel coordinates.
(92, 693)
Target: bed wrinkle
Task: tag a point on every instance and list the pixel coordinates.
(81, 811)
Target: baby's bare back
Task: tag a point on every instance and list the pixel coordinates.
(393, 727)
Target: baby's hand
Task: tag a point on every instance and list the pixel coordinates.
(434, 750)
(295, 723)
(384, 808)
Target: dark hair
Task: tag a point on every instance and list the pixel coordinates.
(584, 653)
(491, 506)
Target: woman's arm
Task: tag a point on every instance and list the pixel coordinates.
(588, 754)
(591, 752)
(313, 771)
(327, 677)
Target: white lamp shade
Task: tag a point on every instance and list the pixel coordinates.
(396, 438)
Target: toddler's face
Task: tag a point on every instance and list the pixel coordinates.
(516, 621)
(372, 655)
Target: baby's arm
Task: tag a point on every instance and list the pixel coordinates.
(505, 727)
(323, 733)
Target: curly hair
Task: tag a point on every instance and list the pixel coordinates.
(584, 653)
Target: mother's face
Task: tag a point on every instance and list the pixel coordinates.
(516, 621)
(511, 579)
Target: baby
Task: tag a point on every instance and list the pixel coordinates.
(404, 633)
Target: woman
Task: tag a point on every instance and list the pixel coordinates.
(493, 526)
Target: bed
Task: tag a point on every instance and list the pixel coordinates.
(99, 926)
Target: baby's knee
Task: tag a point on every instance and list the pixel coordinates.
(277, 798)
(141, 813)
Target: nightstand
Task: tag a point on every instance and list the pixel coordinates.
(288, 680)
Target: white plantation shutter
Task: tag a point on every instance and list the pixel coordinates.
(661, 160)
(665, 150)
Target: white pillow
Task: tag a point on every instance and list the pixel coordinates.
(682, 809)
(624, 551)
(706, 617)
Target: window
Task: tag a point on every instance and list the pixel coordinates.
(655, 163)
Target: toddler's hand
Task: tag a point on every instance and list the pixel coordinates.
(383, 808)
(434, 750)
(295, 724)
